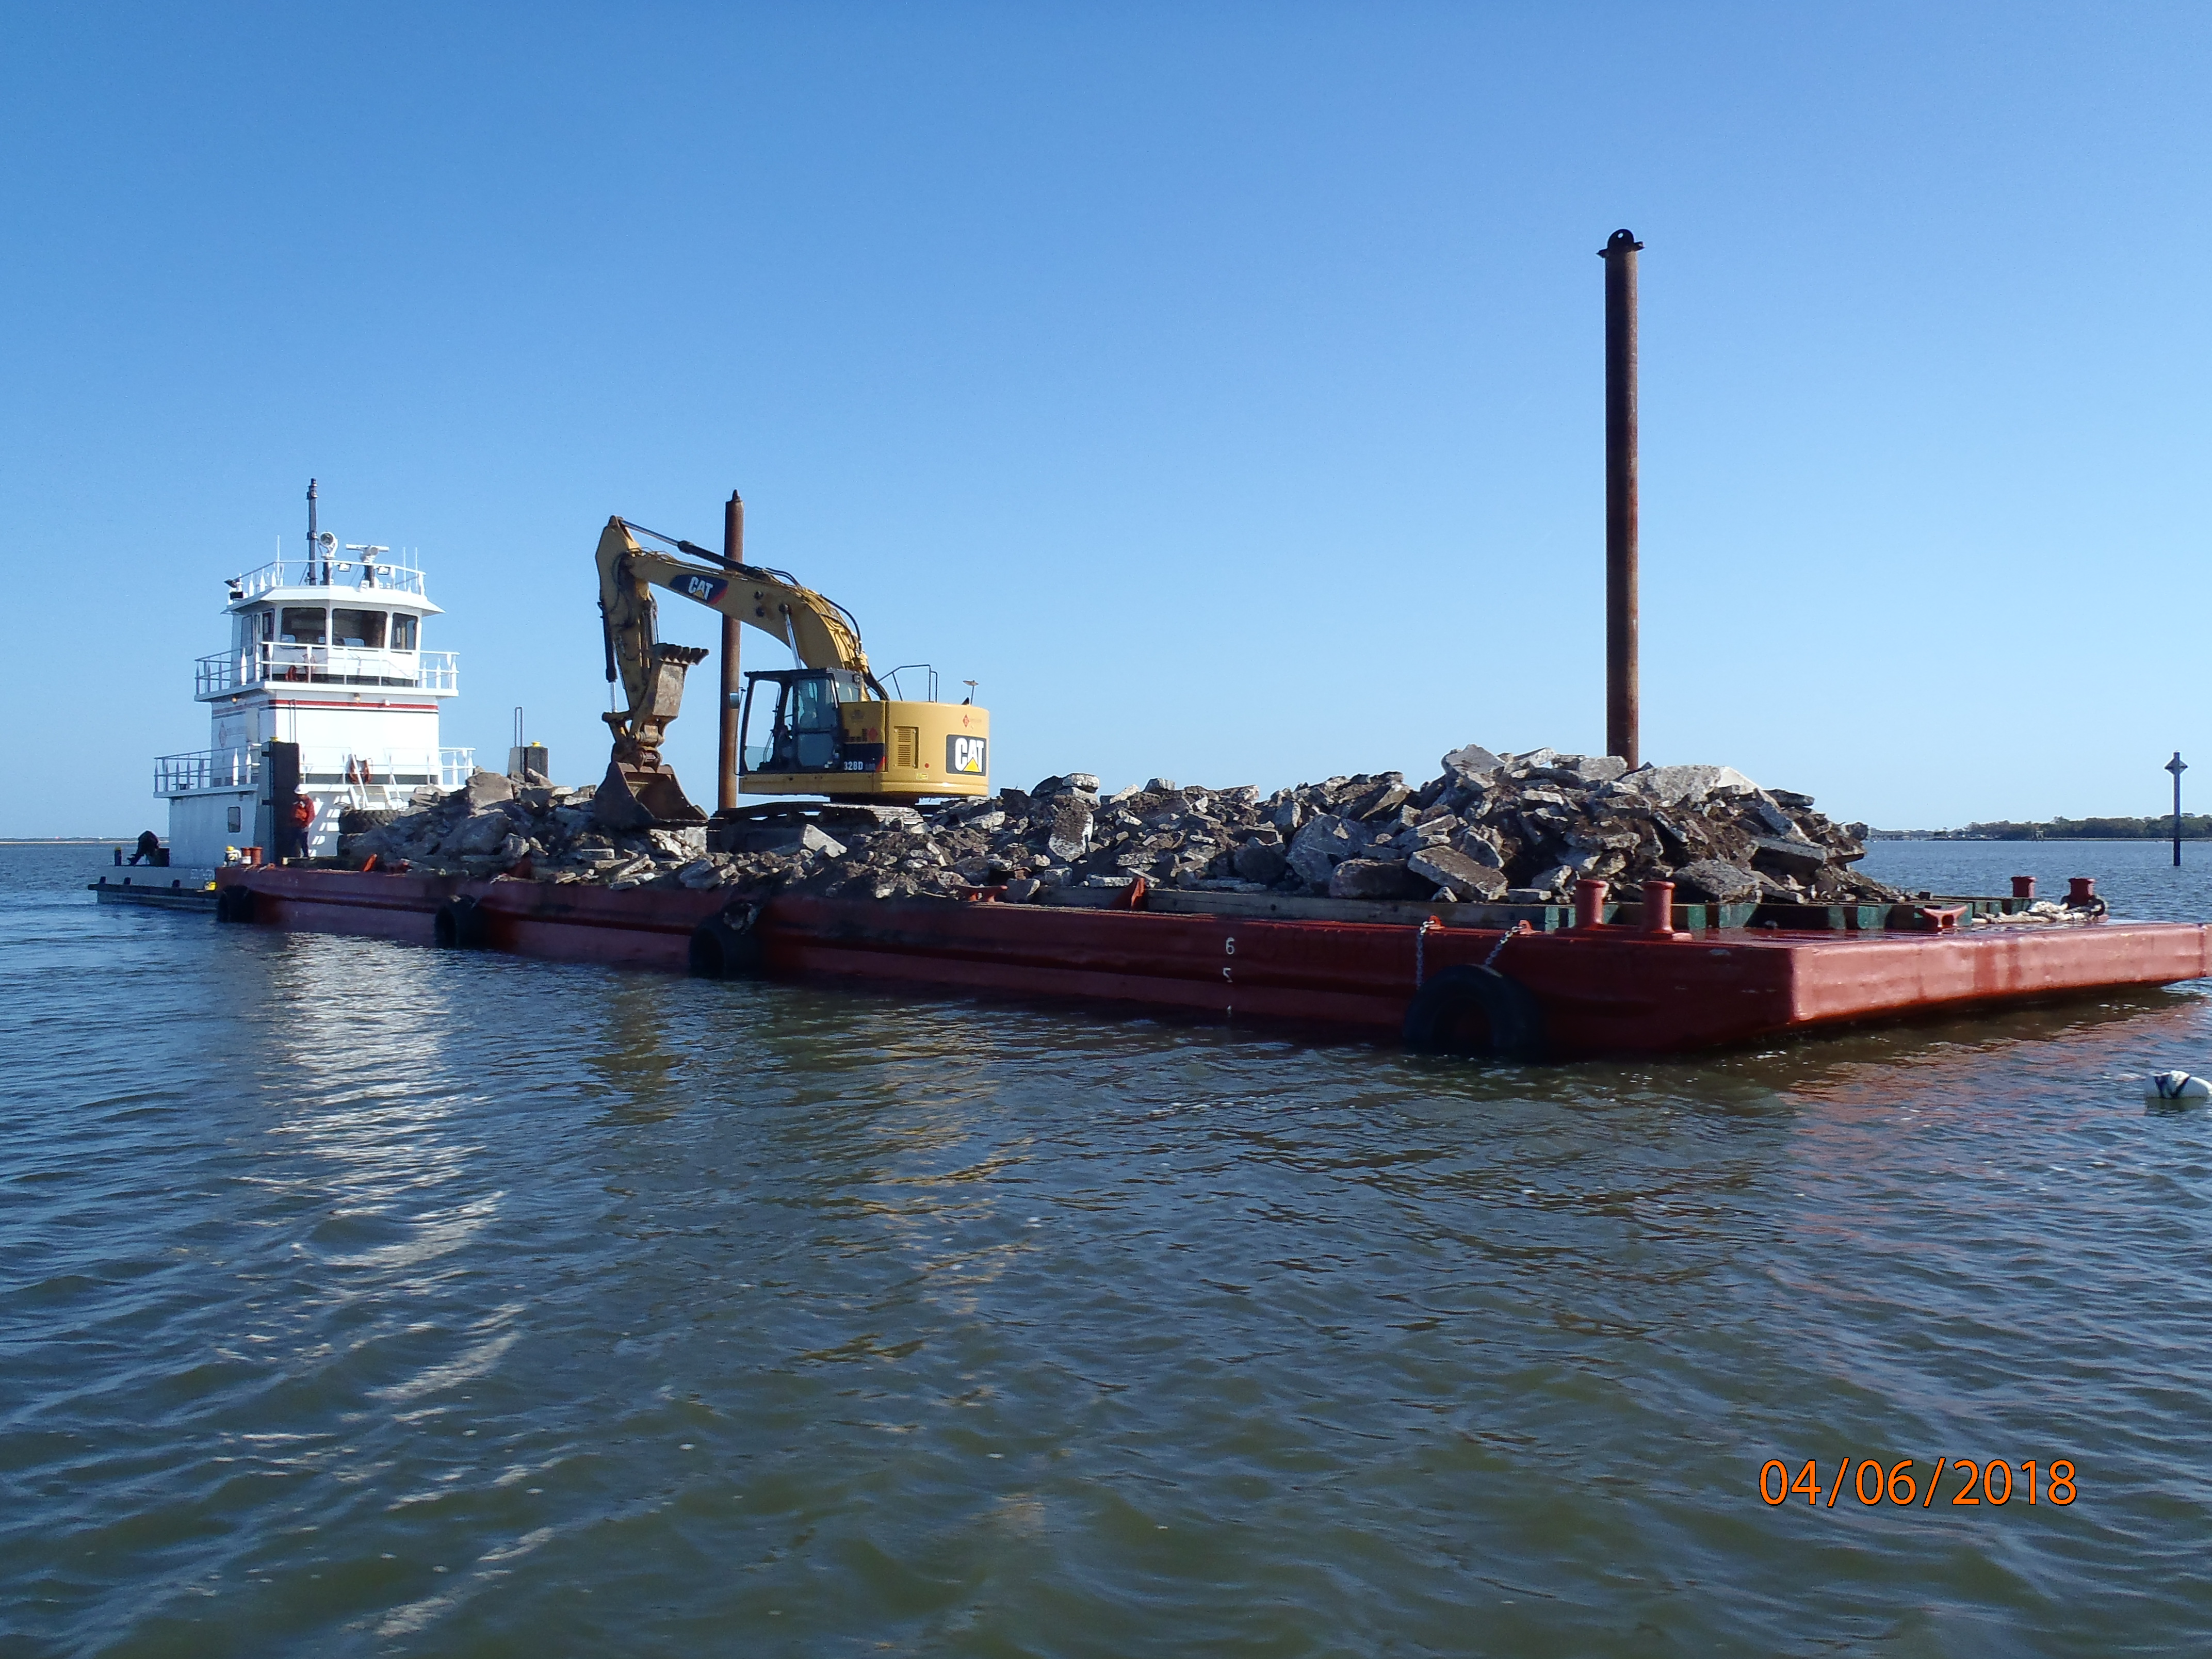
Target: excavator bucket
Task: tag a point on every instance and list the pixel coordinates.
(642, 797)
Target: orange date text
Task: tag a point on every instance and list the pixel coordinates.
(1915, 1483)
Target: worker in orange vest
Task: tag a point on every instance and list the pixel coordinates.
(303, 820)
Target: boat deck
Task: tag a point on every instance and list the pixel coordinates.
(171, 895)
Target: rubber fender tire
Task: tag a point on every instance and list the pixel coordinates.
(460, 924)
(726, 946)
(234, 904)
(1474, 1010)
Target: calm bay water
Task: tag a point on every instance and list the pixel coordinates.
(361, 1299)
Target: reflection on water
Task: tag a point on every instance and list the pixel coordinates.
(365, 1299)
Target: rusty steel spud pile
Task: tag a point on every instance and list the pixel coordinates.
(1513, 828)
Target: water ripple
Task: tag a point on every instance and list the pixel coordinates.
(362, 1299)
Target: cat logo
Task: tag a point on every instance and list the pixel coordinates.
(705, 589)
(964, 757)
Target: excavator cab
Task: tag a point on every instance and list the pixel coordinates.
(828, 732)
(806, 729)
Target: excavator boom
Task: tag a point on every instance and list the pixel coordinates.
(819, 631)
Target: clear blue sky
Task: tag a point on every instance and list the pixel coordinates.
(1219, 384)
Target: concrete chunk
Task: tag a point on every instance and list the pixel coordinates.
(483, 788)
(1801, 859)
(1374, 879)
(482, 833)
(1473, 762)
(1480, 845)
(1594, 769)
(1674, 785)
(1071, 828)
(1325, 843)
(1442, 867)
(1259, 860)
(1710, 882)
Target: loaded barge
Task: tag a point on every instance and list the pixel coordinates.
(1524, 983)
(1447, 975)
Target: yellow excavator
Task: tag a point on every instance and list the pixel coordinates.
(834, 730)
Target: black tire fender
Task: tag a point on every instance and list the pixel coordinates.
(234, 904)
(726, 946)
(1474, 1010)
(460, 924)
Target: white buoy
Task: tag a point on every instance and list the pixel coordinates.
(2176, 1086)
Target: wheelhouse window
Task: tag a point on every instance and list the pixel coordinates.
(358, 628)
(300, 625)
(402, 631)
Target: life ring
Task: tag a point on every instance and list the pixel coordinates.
(460, 924)
(234, 904)
(726, 946)
(1474, 1010)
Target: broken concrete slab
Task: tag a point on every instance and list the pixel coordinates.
(1673, 786)
(485, 788)
(1441, 867)
(1710, 882)
(1791, 856)
(1769, 814)
(1070, 837)
(482, 832)
(1479, 844)
(1473, 763)
(1324, 842)
(1261, 861)
(1375, 879)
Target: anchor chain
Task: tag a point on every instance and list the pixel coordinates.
(1503, 939)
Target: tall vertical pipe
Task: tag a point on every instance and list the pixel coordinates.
(311, 549)
(733, 555)
(1622, 696)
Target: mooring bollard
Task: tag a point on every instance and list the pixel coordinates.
(2023, 887)
(1589, 903)
(2082, 889)
(1659, 910)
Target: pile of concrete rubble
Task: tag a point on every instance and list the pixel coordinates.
(1511, 828)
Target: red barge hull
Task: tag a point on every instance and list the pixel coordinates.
(1608, 989)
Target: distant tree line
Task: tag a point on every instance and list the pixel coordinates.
(2195, 826)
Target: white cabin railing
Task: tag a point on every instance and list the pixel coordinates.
(210, 769)
(330, 572)
(268, 664)
(322, 771)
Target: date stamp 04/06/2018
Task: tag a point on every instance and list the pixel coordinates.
(1986, 1485)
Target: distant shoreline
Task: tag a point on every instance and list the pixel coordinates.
(2195, 826)
(69, 841)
